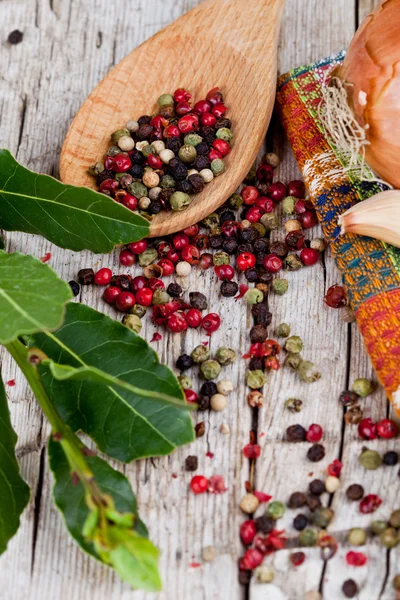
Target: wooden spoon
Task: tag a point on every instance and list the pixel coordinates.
(227, 43)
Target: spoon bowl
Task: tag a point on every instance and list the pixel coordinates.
(231, 44)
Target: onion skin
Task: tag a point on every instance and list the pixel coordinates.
(372, 67)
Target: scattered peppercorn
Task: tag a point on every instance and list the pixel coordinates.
(75, 287)
(86, 276)
(200, 429)
(265, 524)
(297, 500)
(370, 459)
(191, 463)
(294, 404)
(316, 453)
(300, 522)
(276, 510)
(349, 588)
(308, 537)
(184, 362)
(296, 433)
(362, 387)
(390, 458)
(15, 37)
(355, 492)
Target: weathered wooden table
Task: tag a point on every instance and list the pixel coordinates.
(68, 47)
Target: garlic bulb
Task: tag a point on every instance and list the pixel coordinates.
(378, 217)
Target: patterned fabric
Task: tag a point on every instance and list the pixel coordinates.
(370, 268)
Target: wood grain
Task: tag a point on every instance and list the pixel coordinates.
(227, 43)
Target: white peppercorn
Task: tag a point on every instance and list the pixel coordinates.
(154, 193)
(126, 143)
(141, 145)
(332, 484)
(132, 126)
(166, 156)
(151, 179)
(183, 268)
(207, 175)
(264, 574)
(225, 387)
(144, 203)
(293, 225)
(158, 146)
(249, 503)
(218, 402)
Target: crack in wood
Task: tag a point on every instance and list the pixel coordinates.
(22, 122)
(37, 506)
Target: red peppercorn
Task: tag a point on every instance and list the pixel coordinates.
(177, 323)
(224, 272)
(254, 214)
(222, 146)
(295, 240)
(206, 260)
(191, 231)
(125, 301)
(167, 266)
(248, 531)
(231, 228)
(127, 258)
(367, 429)
(180, 240)
(183, 108)
(214, 155)
(314, 433)
(108, 161)
(297, 558)
(163, 248)
(188, 123)
(130, 202)
(245, 261)
(301, 206)
(111, 294)
(182, 95)
(387, 429)
(193, 317)
(249, 194)
(109, 185)
(214, 96)
(219, 109)
(171, 131)
(296, 188)
(356, 559)
(309, 256)
(272, 263)
(201, 107)
(103, 276)
(121, 163)
(265, 173)
(336, 297)
(138, 247)
(158, 122)
(144, 297)
(251, 560)
(190, 396)
(155, 284)
(308, 219)
(154, 161)
(370, 503)
(266, 204)
(138, 283)
(252, 451)
(211, 322)
(335, 468)
(208, 119)
(199, 484)
(277, 191)
(190, 254)
(173, 256)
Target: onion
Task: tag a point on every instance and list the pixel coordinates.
(370, 76)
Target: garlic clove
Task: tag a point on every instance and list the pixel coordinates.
(378, 217)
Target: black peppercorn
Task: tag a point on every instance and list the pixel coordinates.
(144, 120)
(256, 363)
(300, 522)
(230, 246)
(244, 248)
(197, 183)
(265, 277)
(184, 362)
(191, 463)
(316, 453)
(185, 186)
(350, 588)
(216, 241)
(208, 388)
(248, 235)
(144, 131)
(390, 458)
(202, 149)
(165, 195)
(265, 524)
(86, 276)
(258, 334)
(243, 213)
(313, 502)
(296, 433)
(75, 287)
(103, 176)
(203, 403)
(136, 171)
(260, 256)
(155, 207)
(123, 282)
(316, 487)
(261, 314)
(226, 215)
(229, 289)
(223, 123)
(137, 158)
(198, 300)
(297, 500)
(279, 248)
(208, 134)
(261, 245)
(355, 492)
(174, 290)
(177, 169)
(201, 162)
(347, 398)
(173, 144)
(15, 37)
(251, 275)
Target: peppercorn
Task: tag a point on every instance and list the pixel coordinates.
(197, 182)
(355, 492)
(75, 287)
(184, 186)
(280, 286)
(249, 503)
(184, 362)
(296, 433)
(258, 334)
(200, 429)
(160, 296)
(294, 344)
(138, 310)
(377, 527)
(288, 205)
(391, 458)
(254, 296)
(203, 403)
(225, 387)
(332, 484)
(292, 263)
(308, 537)
(283, 330)
(179, 201)
(389, 538)
(209, 388)
(260, 314)
(225, 356)
(316, 487)
(86, 276)
(275, 510)
(217, 167)
(270, 221)
(297, 500)
(255, 399)
(221, 258)
(200, 354)
(229, 288)
(394, 520)
(174, 290)
(316, 453)
(230, 246)
(294, 404)
(265, 524)
(264, 574)
(357, 536)
(308, 372)
(183, 268)
(279, 248)
(185, 382)
(167, 182)
(347, 398)
(354, 415)
(15, 37)
(293, 361)
(191, 463)
(313, 502)
(147, 257)
(256, 363)
(216, 242)
(362, 387)
(235, 201)
(132, 322)
(255, 379)
(349, 588)
(370, 459)
(218, 402)
(210, 369)
(300, 522)
(198, 300)
(322, 517)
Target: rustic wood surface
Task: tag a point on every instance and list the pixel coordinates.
(67, 48)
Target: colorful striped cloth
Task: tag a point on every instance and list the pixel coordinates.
(370, 268)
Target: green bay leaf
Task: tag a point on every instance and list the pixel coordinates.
(32, 297)
(124, 424)
(14, 492)
(71, 217)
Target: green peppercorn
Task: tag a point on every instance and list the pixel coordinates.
(283, 330)
(147, 150)
(294, 344)
(308, 537)
(357, 536)
(165, 100)
(394, 520)
(294, 404)
(288, 205)
(322, 517)
(221, 258)
(118, 134)
(138, 310)
(114, 150)
(255, 379)
(254, 296)
(132, 322)
(259, 227)
(224, 134)
(137, 189)
(270, 221)
(225, 356)
(193, 139)
(276, 510)
(396, 582)
(210, 369)
(308, 372)
(160, 296)
(185, 382)
(293, 361)
(217, 167)
(167, 182)
(179, 201)
(378, 527)
(235, 201)
(389, 538)
(370, 459)
(280, 286)
(292, 263)
(96, 169)
(147, 257)
(212, 221)
(200, 354)
(187, 153)
(362, 387)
